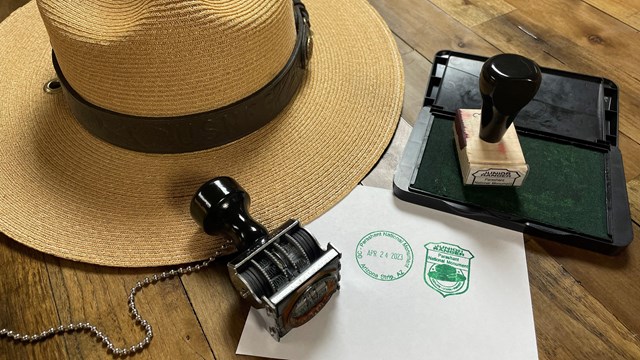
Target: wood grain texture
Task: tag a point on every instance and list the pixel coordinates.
(610, 279)
(471, 13)
(630, 156)
(416, 74)
(633, 191)
(220, 309)
(27, 302)
(428, 29)
(626, 11)
(570, 323)
(87, 293)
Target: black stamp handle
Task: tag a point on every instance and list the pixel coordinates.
(508, 82)
(222, 204)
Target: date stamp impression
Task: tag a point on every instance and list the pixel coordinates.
(384, 255)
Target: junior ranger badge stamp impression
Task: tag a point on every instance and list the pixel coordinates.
(447, 268)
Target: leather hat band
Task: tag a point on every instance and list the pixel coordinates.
(204, 130)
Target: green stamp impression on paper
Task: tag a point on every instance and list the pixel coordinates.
(447, 268)
(384, 255)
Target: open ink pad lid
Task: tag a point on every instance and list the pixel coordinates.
(575, 192)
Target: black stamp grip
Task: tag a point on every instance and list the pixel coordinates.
(222, 204)
(508, 82)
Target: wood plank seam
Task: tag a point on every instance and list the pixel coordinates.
(55, 303)
(611, 16)
(577, 315)
(213, 352)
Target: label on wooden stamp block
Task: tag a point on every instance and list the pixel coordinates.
(483, 163)
(493, 176)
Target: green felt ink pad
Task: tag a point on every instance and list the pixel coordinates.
(575, 191)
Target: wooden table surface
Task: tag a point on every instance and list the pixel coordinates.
(586, 305)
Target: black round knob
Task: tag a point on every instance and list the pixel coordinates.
(222, 204)
(507, 83)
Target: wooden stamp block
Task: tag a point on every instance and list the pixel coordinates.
(484, 163)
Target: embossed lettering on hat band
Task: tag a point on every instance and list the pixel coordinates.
(177, 134)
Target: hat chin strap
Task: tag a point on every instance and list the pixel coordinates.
(178, 134)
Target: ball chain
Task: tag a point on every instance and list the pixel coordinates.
(83, 326)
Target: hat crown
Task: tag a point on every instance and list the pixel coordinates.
(169, 57)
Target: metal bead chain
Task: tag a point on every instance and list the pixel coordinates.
(123, 351)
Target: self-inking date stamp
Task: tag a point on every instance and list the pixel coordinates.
(287, 276)
(489, 151)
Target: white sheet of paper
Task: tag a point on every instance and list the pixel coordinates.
(489, 315)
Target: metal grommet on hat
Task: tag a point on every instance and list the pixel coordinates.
(52, 86)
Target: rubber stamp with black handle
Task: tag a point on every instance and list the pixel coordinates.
(285, 274)
(488, 148)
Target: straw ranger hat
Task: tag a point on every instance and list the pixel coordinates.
(150, 99)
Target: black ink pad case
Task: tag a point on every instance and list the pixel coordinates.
(575, 192)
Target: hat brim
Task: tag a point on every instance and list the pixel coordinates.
(69, 194)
